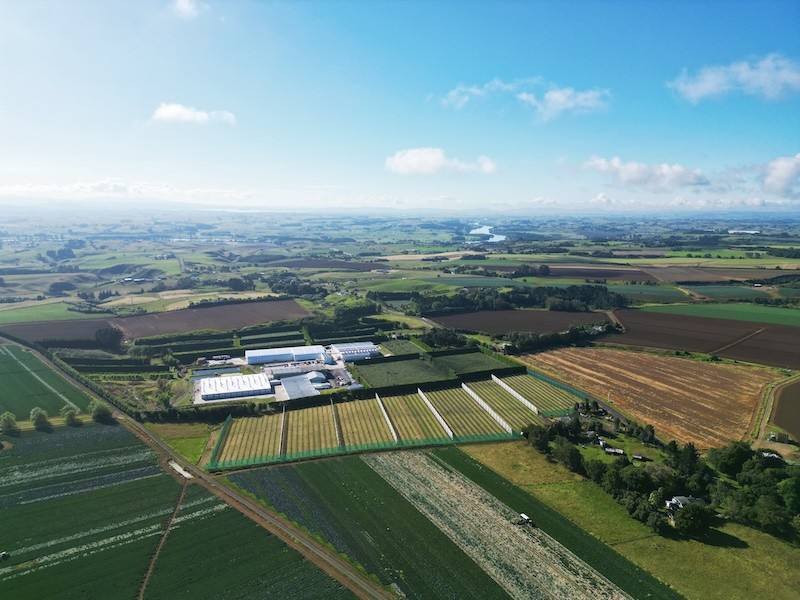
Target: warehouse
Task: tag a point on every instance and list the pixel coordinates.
(354, 351)
(284, 355)
(234, 386)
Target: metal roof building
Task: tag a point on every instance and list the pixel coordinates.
(234, 386)
(298, 387)
(351, 351)
(282, 355)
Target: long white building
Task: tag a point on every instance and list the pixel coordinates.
(351, 351)
(282, 355)
(234, 386)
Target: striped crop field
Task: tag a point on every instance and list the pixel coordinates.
(363, 423)
(463, 415)
(545, 397)
(411, 418)
(512, 410)
(252, 437)
(310, 429)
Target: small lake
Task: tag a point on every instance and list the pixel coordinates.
(487, 230)
(787, 410)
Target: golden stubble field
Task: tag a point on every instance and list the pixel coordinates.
(705, 403)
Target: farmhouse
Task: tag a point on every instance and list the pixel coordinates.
(354, 351)
(234, 386)
(283, 355)
(680, 501)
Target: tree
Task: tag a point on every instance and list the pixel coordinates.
(100, 412)
(109, 338)
(539, 438)
(693, 519)
(71, 418)
(568, 455)
(730, 458)
(595, 469)
(8, 424)
(39, 418)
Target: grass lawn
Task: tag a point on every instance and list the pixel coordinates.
(733, 561)
(187, 439)
(737, 312)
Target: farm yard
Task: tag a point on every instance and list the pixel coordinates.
(464, 416)
(363, 423)
(701, 402)
(762, 343)
(28, 382)
(363, 517)
(503, 321)
(550, 400)
(507, 406)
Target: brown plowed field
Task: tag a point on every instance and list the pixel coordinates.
(775, 345)
(617, 274)
(228, 316)
(318, 263)
(705, 403)
(503, 321)
(712, 274)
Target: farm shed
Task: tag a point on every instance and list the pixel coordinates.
(354, 351)
(234, 386)
(283, 355)
(298, 387)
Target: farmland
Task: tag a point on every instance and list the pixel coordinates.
(787, 409)
(462, 413)
(753, 313)
(348, 504)
(310, 430)
(411, 418)
(399, 373)
(524, 561)
(734, 562)
(252, 437)
(507, 406)
(363, 423)
(468, 363)
(704, 403)
(246, 559)
(28, 382)
(741, 340)
(503, 321)
(548, 399)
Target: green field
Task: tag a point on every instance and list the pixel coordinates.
(650, 293)
(399, 347)
(733, 561)
(549, 399)
(468, 363)
(346, 503)
(399, 373)
(28, 382)
(55, 311)
(244, 562)
(618, 569)
(733, 292)
(737, 312)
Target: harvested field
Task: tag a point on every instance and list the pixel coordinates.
(464, 416)
(363, 423)
(524, 561)
(787, 409)
(411, 418)
(704, 403)
(509, 408)
(762, 343)
(503, 321)
(228, 316)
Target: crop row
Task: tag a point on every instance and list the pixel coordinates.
(310, 429)
(464, 416)
(363, 423)
(542, 395)
(252, 438)
(507, 406)
(411, 418)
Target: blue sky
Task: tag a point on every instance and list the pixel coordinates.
(532, 106)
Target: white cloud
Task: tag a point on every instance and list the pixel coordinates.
(178, 113)
(662, 177)
(187, 9)
(549, 100)
(782, 175)
(772, 77)
(557, 101)
(429, 161)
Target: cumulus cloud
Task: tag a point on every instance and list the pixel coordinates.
(547, 99)
(187, 9)
(178, 113)
(771, 78)
(661, 177)
(782, 175)
(429, 161)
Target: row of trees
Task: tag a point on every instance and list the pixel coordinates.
(40, 420)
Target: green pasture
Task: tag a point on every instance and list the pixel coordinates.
(398, 347)
(737, 312)
(650, 293)
(732, 561)
(468, 363)
(344, 502)
(727, 292)
(399, 373)
(467, 281)
(52, 311)
(28, 382)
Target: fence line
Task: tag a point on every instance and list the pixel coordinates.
(492, 413)
(514, 393)
(436, 414)
(386, 417)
